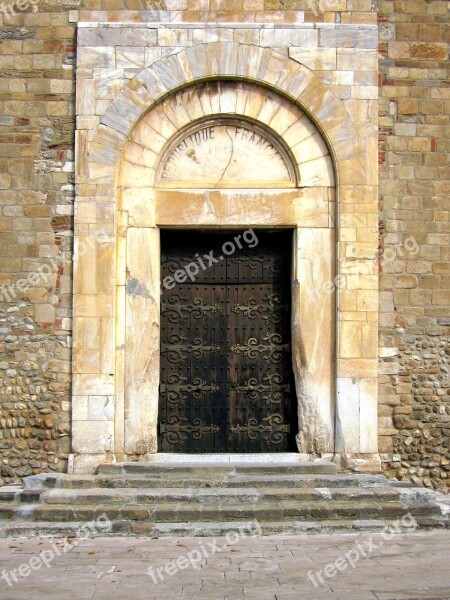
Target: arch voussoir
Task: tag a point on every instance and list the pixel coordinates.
(136, 93)
(230, 60)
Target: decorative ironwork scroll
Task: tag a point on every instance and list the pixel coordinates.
(272, 429)
(273, 309)
(272, 393)
(176, 311)
(177, 429)
(178, 351)
(272, 349)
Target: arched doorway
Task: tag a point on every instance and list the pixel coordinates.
(117, 286)
(262, 164)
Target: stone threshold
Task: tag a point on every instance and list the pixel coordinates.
(228, 458)
(357, 463)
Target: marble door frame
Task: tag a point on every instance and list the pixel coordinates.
(117, 282)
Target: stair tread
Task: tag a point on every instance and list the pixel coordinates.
(225, 467)
(218, 508)
(181, 480)
(209, 491)
(294, 502)
(206, 529)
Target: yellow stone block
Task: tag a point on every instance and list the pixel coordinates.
(350, 339)
(357, 367)
(367, 300)
(93, 305)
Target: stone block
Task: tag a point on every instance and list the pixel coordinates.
(317, 388)
(93, 385)
(130, 57)
(348, 37)
(350, 338)
(278, 38)
(429, 51)
(142, 340)
(86, 360)
(175, 37)
(100, 408)
(94, 305)
(87, 333)
(357, 367)
(44, 313)
(96, 437)
(96, 57)
(367, 300)
(317, 59)
(348, 416)
(80, 408)
(123, 36)
(364, 60)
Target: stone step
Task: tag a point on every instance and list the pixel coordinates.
(264, 510)
(169, 529)
(213, 529)
(198, 499)
(9, 493)
(217, 469)
(207, 480)
(208, 495)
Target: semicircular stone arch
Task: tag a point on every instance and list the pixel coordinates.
(226, 60)
(148, 140)
(120, 277)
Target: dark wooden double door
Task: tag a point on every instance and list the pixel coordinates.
(226, 375)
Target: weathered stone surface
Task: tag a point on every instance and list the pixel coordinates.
(348, 37)
(123, 36)
(284, 496)
(37, 191)
(429, 51)
(414, 381)
(141, 326)
(315, 58)
(229, 153)
(313, 332)
(232, 155)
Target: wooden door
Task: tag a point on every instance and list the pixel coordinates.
(226, 374)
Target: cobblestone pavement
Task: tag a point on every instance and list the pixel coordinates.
(407, 566)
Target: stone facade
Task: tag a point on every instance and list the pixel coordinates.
(37, 196)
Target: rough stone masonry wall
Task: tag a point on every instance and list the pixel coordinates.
(414, 197)
(36, 205)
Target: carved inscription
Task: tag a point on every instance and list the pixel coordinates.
(225, 155)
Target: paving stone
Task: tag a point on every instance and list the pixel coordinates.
(411, 573)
